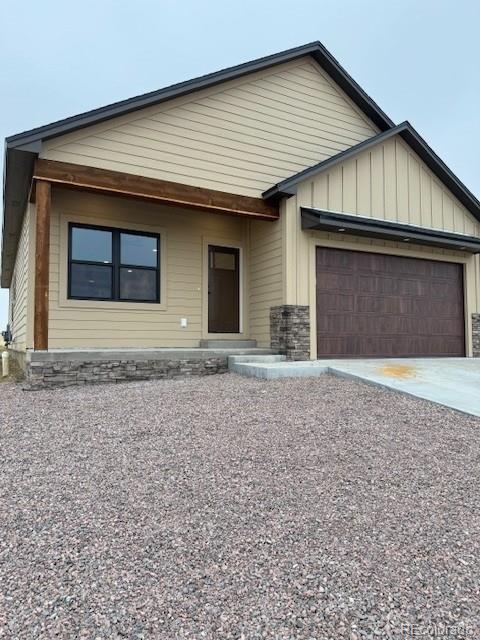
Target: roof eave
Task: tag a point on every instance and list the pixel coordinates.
(28, 143)
(342, 223)
(18, 169)
(315, 49)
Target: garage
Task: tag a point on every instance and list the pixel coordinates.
(377, 305)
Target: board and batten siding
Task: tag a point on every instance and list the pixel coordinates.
(86, 324)
(20, 309)
(387, 182)
(266, 277)
(390, 182)
(241, 136)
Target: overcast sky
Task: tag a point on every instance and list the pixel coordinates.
(418, 59)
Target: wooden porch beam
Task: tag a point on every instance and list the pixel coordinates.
(105, 181)
(42, 260)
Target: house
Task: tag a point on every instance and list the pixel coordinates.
(272, 205)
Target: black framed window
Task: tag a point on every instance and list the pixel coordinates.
(113, 264)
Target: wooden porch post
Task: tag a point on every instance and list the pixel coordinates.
(42, 259)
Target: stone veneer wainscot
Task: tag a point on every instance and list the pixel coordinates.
(290, 331)
(476, 334)
(47, 374)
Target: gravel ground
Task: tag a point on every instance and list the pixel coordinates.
(226, 507)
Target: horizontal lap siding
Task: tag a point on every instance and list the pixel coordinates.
(242, 136)
(21, 286)
(265, 277)
(83, 326)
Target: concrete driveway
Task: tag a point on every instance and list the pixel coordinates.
(452, 382)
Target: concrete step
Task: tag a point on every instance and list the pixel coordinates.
(272, 370)
(270, 357)
(228, 344)
(234, 360)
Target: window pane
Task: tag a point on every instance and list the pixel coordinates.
(225, 261)
(138, 284)
(90, 281)
(91, 244)
(138, 250)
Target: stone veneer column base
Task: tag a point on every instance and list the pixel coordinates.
(290, 331)
(50, 374)
(476, 334)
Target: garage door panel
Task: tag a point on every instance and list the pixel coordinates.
(331, 302)
(335, 322)
(377, 305)
(335, 259)
(390, 285)
(408, 267)
(444, 290)
(433, 307)
(384, 325)
(386, 346)
(371, 284)
(441, 308)
(444, 270)
(331, 281)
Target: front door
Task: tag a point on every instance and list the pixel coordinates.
(223, 290)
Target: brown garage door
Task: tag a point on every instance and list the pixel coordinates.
(370, 304)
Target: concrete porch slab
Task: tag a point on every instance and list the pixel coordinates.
(452, 382)
(78, 355)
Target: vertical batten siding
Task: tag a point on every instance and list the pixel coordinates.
(82, 324)
(20, 288)
(266, 285)
(477, 283)
(242, 136)
(390, 182)
(306, 198)
(299, 255)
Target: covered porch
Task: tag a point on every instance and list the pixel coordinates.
(208, 280)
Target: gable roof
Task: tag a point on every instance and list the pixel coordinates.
(287, 187)
(314, 49)
(22, 149)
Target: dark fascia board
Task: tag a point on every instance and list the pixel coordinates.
(287, 187)
(315, 49)
(394, 231)
(26, 145)
(17, 178)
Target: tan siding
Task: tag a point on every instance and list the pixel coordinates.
(82, 324)
(21, 286)
(242, 136)
(476, 271)
(299, 256)
(390, 182)
(266, 284)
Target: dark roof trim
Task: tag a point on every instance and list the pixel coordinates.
(22, 149)
(315, 49)
(287, 187)
(16, 184)
(394, 231)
